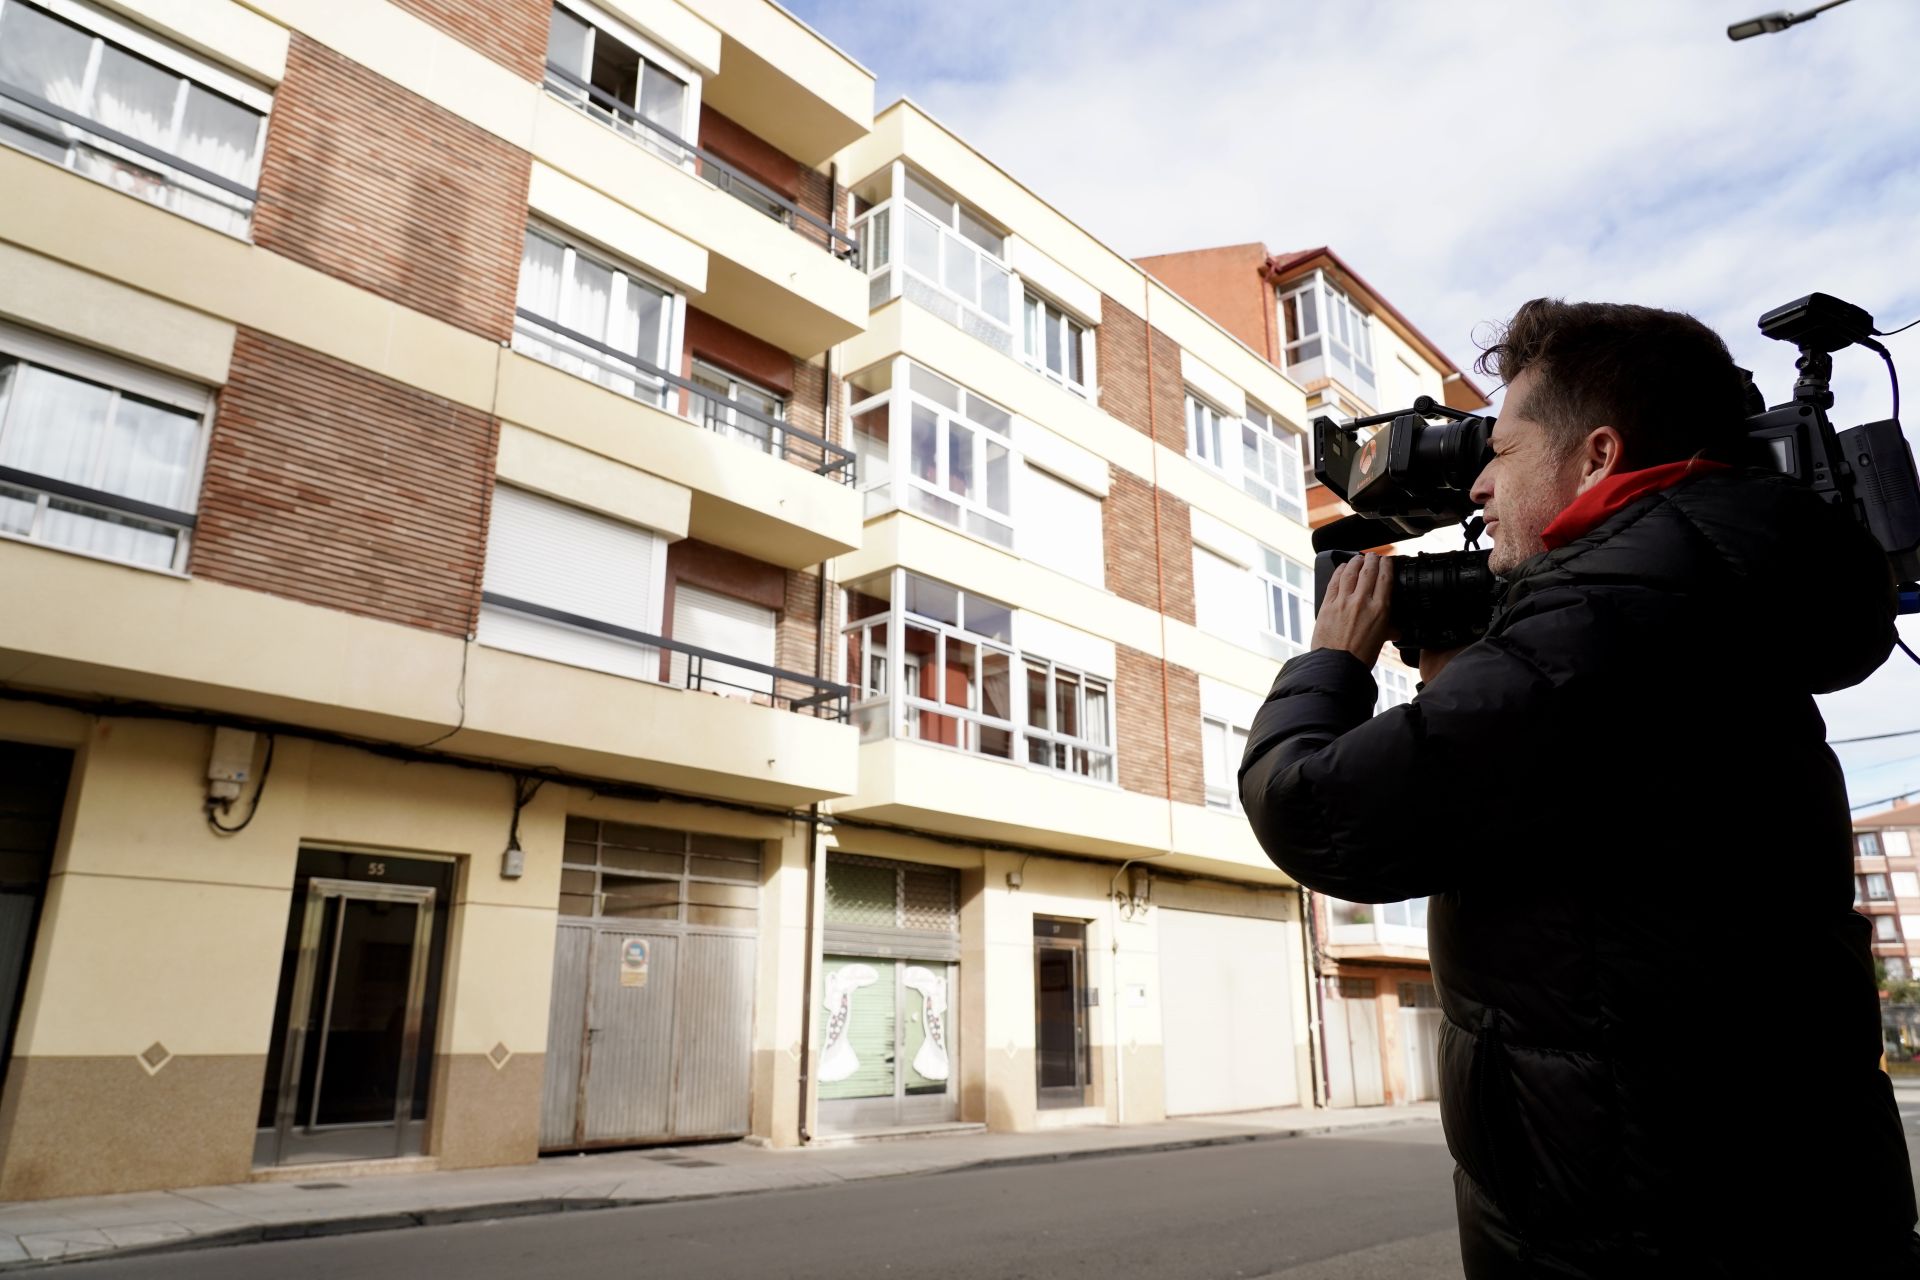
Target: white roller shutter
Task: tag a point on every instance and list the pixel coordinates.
(1226, 599)
(1227, 987)
(725, 625)
(547, 553)
(1060, 528)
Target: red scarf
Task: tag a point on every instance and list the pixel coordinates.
(1615, 494)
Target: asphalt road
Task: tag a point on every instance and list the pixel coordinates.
(1363, 1205)
(1374, 1205)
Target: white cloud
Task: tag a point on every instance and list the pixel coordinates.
(1466, 156)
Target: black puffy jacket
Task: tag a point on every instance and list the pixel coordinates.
(1661, 1047)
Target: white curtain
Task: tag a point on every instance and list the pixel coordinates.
(219, 134)
(135, 97)
(54, 425)
(43, 55)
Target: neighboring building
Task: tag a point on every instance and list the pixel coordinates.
(1354, 354)
(1886, 890)
(428, 479)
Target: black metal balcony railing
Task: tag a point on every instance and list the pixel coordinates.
(776, 435)
(166, 159)
(100, 498)
(828, 701)
(751, 192)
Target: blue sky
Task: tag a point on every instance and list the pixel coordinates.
(1465, 155)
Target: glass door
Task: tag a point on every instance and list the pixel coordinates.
(352, 1039)
(1061, 1058)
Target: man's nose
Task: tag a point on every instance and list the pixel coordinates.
(1482, 491)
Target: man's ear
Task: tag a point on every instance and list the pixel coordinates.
(1599, 456)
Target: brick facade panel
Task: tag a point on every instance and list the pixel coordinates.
(1120, 350)
(1127, 519)
(374, 185)
(511, 32)
(1183, 727)
(1140, 715)
(335, 487)
(1169, 394)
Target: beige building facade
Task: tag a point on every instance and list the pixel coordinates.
(579, 588)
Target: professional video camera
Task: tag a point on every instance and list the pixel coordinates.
(1412, 475)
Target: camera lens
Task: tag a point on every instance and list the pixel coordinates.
(1450, 455)
(1443, 601)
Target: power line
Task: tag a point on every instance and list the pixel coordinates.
(1868, 804)
(1872, 737)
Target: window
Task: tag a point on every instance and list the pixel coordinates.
(738, 408)
(109, 101)
(1411, 914)
(963, 683)
(1877, 888)
(590, 317)
(1396, 686)
(1896, 968)
(95, 456)
(1222, 746)
(1055, 344)
(960, 463)
(1270, 464)
(1866, 845)
(1906, 884)
(616, 75)
(738, 628)
(618, 871)
(1896, 844)
(1207, 432)
(1886, 929)
(922, 243)
(1289, 600)
(1326, 335)
(1069, 720)
(1060, 527)
(575, 587)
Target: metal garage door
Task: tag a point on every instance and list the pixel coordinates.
(1226, 1010)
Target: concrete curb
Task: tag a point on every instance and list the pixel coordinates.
(453, 1215)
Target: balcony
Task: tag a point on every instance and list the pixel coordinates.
(774, 270)
(745, 495)
(1377, 931)
(103, 630)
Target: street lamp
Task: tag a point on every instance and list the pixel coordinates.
(1778, 20)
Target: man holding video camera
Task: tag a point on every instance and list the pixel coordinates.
(1635, 839)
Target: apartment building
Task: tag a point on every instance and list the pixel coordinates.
(1886, 886)
(587, 590)
(1063, 613)
(1354, 354)
(418, 453)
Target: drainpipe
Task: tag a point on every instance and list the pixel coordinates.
(1317, 1066)
(819, 666)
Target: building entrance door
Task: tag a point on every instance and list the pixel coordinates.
(33, 788)
(349, 1078)
(1062, 1069)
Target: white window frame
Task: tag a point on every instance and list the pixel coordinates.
(1038, 313)
(121, 379)
(1081, 755)
(1207, 432)
(900, 486)
(1224, 741)
(1279, 481)
(884, 707)
(191, 69)
(1895, 844)
(1395, 683)
(601, 23)
(882, 232)
(1333, 335)
(1293, 582)
(1886, 887)
(646, 387)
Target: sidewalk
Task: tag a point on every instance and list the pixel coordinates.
(34, 1233)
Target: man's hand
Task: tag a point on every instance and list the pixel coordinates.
(1354, 614)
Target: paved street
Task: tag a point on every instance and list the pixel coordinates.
(1305, 1209)
(1372, 1204)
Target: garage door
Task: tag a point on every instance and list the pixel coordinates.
(1227, 993)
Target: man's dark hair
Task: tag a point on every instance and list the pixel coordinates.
(1662, 379)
